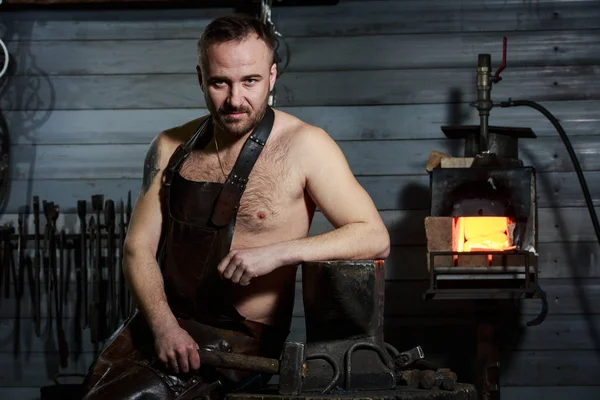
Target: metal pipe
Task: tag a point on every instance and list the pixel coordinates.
(484, 103)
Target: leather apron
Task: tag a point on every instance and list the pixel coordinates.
(199, 225)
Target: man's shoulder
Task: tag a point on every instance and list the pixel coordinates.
(165, 143)
(299, 132)
(181, 133)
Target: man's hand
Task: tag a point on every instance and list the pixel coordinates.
(177, 350)
(240, 266)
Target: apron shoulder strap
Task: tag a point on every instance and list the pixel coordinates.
(229, 198)
(184, 150)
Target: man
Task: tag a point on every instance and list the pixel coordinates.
(224, 266)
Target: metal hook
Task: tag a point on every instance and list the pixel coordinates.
(7, 56)
(497, 77)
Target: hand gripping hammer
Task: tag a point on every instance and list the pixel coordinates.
(291, 366)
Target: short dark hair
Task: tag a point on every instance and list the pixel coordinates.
(234, 27)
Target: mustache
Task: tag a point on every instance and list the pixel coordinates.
(230, 110)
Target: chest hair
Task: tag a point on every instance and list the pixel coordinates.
(270, 183)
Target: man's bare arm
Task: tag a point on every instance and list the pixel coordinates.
(359, 231)
(173, 345)
(139, 259)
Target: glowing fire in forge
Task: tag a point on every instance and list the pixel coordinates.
(482, 234)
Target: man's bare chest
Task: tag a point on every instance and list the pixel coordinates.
(272, 190)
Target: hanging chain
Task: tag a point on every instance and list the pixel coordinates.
(265, 15)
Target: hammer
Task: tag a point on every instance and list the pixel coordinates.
(291, 367)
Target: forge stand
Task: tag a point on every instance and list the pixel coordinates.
(478, 191)
(482, 228)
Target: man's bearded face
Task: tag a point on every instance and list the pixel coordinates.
(237, 78)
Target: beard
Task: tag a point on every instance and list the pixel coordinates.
(238, 126)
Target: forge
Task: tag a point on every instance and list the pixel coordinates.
(482, 230)
(482, 224)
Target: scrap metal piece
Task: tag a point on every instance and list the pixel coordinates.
(408, 357)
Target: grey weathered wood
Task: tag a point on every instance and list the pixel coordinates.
(404, 158)
(550, 392)
(565, 296)
(404, 192)
(39, 369)
(29, 343)
(97, 161)
(347, 18)
(301, 88)
(572, 324)
(432, 86)
(562, 332)
(457, 16)
(557, 332)
(527, 49)
(388, 122)
(549, 368)
(66, 193)
(380, 157)
(94, 126)
(23, 393)
(407, 227)
(8, 308)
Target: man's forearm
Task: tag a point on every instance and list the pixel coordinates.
(350, 242)
(146, 284)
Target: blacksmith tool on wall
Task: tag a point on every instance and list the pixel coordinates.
(45, 265)
(123, 309)
(129, 298)
(37, 265)
(81, 213)
(5, 259)
(100, 300)
(94, 251)
(109, 221)
(51, 211)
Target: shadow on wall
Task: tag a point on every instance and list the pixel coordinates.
(576, 257)
(458, 114)
(25, 109)
(22, 93)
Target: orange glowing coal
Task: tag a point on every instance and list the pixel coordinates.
(482, 234)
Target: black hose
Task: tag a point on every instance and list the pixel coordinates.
(572, 155)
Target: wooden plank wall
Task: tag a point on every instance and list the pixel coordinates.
(89, 90)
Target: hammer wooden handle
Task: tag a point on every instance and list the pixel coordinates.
(242, 362)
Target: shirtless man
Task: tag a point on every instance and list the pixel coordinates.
(300, 168)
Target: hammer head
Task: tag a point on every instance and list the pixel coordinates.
(291, 369)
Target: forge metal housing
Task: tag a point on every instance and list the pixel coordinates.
(497, 184)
